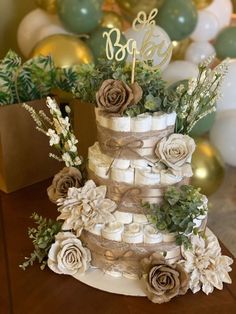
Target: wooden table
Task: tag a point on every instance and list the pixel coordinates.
(43, 292)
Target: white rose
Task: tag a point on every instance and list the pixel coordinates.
(68, 256)
(176, 151)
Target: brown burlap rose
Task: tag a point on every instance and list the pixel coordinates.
(164, 281)
(115, 96)
(67, 178)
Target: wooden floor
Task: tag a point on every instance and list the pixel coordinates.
(222, 211)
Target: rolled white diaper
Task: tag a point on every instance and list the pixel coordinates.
(123, 175)
(139, 163)
(171, 118)
(168, 237)
(146, 177)
(159, 121)
(113, 231)
(133, 233)
(169, 178)
(175, 252)
(152, 235)
(140, 218)
(102, 171)
(141, 123)
(121, 163)
(119, 124)
(124, 218)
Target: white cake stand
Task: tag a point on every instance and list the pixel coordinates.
(96, 278)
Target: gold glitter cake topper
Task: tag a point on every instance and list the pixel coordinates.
(153, 42)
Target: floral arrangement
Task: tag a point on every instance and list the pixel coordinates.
(109, 84)
(82, 204)
(179, 212)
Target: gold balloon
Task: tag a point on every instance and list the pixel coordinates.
(202, 4)
(133, 7)
(179, 48)
(234, 6)
(66, 50)
(112, 20)
(48, 5)
(208, 167)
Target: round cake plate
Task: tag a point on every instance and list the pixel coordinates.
(96, 278)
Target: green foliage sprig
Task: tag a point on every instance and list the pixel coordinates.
(178, 212)
(156, 97)
(27, 81)
(43, 236)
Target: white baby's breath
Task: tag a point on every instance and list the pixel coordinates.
(54, 138)
(58, 129)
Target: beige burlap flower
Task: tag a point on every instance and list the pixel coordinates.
(163, 281)
(115, 96)
(85, 207)
(68, 256)
(67, 178)
(175, 152)
(207, 267)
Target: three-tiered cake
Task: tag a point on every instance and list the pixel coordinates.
(126, 160)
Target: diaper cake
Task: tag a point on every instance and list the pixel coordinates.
(132, 215)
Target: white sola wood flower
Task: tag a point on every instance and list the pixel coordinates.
(208, 269)
(67, 255)
(85, 207)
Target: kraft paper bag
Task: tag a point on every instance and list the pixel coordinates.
(24, 151)
(84, 125)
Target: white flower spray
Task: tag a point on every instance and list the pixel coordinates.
(59, 131)
(199, 97)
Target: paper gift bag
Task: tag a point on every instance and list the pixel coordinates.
(84, 125)
(24, 151)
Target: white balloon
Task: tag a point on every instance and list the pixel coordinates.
(223, 135)
(199, 51)
(160, 37)
(207, 27)
(49, 30)
(30, 26)
(179, 70)
(222, 9)
(228, 89)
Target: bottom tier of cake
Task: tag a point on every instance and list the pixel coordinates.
(123, 259)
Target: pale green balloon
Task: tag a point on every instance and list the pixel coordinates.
(204, 125)
(80, 16)
(178, 18)
(225, 43)
(97, 42)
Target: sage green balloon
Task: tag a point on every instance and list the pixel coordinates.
(97, 42)
(204, 125)
(225, 43)
(80, 16)
(178, 18)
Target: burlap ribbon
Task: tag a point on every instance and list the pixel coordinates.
(130, 197)
(130, 145)
(120, 256)
(124, 257)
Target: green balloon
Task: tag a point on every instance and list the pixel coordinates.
(80, 16)
(178, 18)
(225, 43)
(97, 42)
(204, 125)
